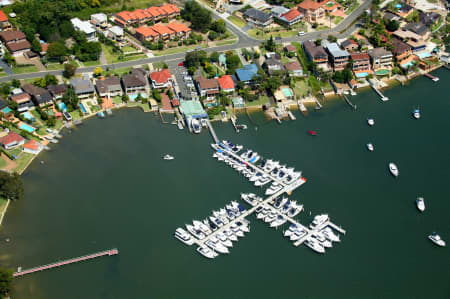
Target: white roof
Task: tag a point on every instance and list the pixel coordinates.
(116, 30)
(99, 17)
(83, 26)
(279, 10)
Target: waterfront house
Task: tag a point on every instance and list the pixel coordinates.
(83, 88)
(12, 140)
(273, 65)
(86, 27)
(380, 58)
(40, 96)
(135, 82)
(226, 83)
(161, 79)
(339, 58)
(312, 10)
(15, 41)
(5, 25)
(109, 87)
(257, 17)
(99, 20)
(283, 94)
(57, 91)
(414, 40)
(349, 45)
(192, 109)
(419, 29)
(315, 53)
(238, 102)
(143, 16)
(429, 18)
(23, 101)
(361, 64)
(32, 147)
(166, 105)
(247, 73)
(115, 33)
(207, 87)
(294, 69)
(401, 50)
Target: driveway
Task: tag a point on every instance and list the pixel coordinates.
(6, 67)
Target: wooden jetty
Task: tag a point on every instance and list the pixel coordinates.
(108, 252)
(435, 79)
(302, 107)
(213, 133)
(348, 102)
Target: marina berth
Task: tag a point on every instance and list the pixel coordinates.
(206, 252)
(183, 236)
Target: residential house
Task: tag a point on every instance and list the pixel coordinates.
(403, 10)
(3, 103)
(284, 93)
(40, 96)
(361, 64)
(349, 45)
(247, 73)
(415, 41)
(15, 41)
(429, 18)
(277, 11)
(23, 101)
(418, 29)
(257, 17)
(161, 79)
(238, 102)
(109, 87)
(290, 49)
(135, 82)
(389, 16)
(207, 87)
(294, 69)
(290, 17)
(273, 65)
(315, 53)
(32, 147)
(12, 140)
(164, 32)
(83, 88)
(312, 10)
(143, 16)
(86, 27)
(99, 20)
(223, 60)
(181, 30)
(401, 50)
(166, 105)
(339, 58)
(380, 58)
(5, 25)
(115, 33)
(57, 91)
(226, 83)
(145, 33)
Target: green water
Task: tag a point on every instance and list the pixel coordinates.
(105, 185)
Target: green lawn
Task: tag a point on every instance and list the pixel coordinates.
(76, 114)
(128, 49)
(302, 89)
(2, 163)
(117, 100)
(120, 71)
(23, 161)
(112, 57)
(351, 8)
(177, 50)
(91, 63)
(144, 107)
(259, 34)
(226, 42)
(261, 101)
(55, 66)
(337, 20)
(3, 74)
(322, 27)
(237, 21)
(24, 69)
(314, 84)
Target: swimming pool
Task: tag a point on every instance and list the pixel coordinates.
(362, 75)
(82, 108)
(287, 92)
(62, 106)
(27, 128)
(134, 96)
(6, 110)
(398, 6)
(423, 55)
(382, 72)
(408, 64)
(28, 116)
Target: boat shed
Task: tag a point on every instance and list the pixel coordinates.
(192, 109)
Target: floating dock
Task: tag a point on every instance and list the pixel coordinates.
(291, 115)
(302, 107)
(383, 98)
(435, 79)
(233, 122)
(109, 252)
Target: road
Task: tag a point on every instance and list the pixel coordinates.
(244, 41)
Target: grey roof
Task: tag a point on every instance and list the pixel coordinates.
(428, 18)
(335, 51)
(257, 15)
(3, 103)
(39, 94)
(378, 53)
(133, 80)
(346, 43)
(279, 10)
(417, 28)
(390, 16)
(44, 98)
(82, 86)
(109, 84)
(314, 51)
(57, 89)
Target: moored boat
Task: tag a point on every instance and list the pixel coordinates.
(436, 239)
(420, 203)
(393, 169)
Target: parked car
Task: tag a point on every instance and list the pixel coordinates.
(67, 116)
(181, 64)
(301, 33)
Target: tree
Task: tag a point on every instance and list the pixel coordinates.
(219, 26)
(98, 71)
(125, 98)
(11, 186)
(51, 121)
(392, 25)
(36, 46)
(270, 44)
(156, 95)
(214, 57)
(57, 50)
(332, 38)
(15, 83)
(6, 278)
(50, 80)
(200, 18)
(69, 70)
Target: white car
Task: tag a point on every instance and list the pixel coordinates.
(301, 33)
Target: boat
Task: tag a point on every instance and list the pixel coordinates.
(183, 236)
(100, 114)
(204, 122)
(322, 240)
(393, 169)
(328, 233)
(225, 241)
(168, 157)
(230, 235)
(196, 126)
(314, 245)
(370, 147)
(312, 133)
(206, 252)
(420, 203)
(436, 239)
(279, 221)
(216, 245)
(272, 190)
(416, 113)
(271, 217)
(370, 121)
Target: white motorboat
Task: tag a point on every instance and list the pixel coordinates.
(416, 113)
(393, 169)
(370, 121)
(168, 157)
(318, 220)
(420, 203)
(370, 147)
(262, 214)
(225, 241)
(280, 220)
(297, 235)
(183, 236)
(196, 232)
(196, 128)
(204, 122)
(263, 181)
(322, 240)
(270, 191)
(230, 235)
(237, 231)
(314, 245)
(216, 245)
(271, 217)
(436, 239)
(329, 234)
(206, 252)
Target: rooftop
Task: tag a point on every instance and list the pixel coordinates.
(161, 76)
(192, 109)
(207, 83)
(11, 138)
(247, 72)
(335, 51)
(379, 53)
(83, 26)
(257, 15)
(82, 86)
(226, 82)
(310, 5)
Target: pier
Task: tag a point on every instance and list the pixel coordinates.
(291, 115)
(109, 252)
(319, 106)
(383, 98)
(213, 133)
(302, 107)
(435, 79)
(233, 122)
(348, 102)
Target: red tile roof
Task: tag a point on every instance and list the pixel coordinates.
(175, 102)
(3, 17)
(146, 31)
(32, 145)
(161, 29)
(165, 101)
(292, 14)
(179, 27)
(153, 11)
(310, 5)
(11, 138)
(126, 15)
(170, 8)
(359, 56)
(226, 82)
(161, 76)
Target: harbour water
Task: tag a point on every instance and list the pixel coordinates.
(105, 185)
